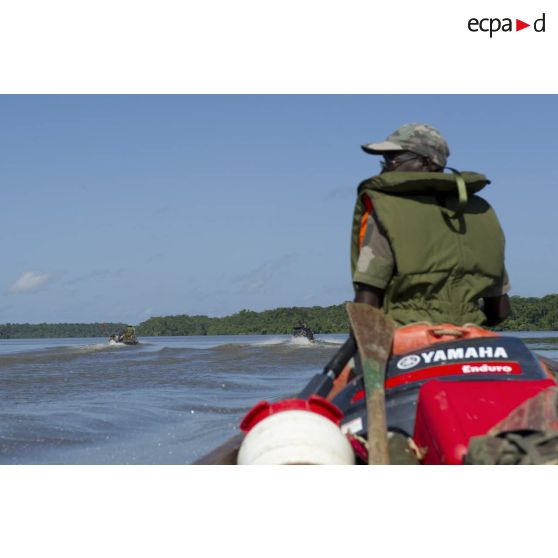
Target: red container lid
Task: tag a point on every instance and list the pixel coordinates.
(314, 404)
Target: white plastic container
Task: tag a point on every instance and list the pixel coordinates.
(295, 437)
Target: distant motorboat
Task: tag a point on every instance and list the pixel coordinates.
(303, 331)
(126, 336)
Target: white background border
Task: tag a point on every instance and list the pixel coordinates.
(208, 511)
(255, 46)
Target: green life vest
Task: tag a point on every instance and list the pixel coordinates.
(448, 244)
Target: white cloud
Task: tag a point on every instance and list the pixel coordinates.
(29, 282)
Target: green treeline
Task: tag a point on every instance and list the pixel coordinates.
(533, 314)
(53, 331)
(528, 314)
(332, 319)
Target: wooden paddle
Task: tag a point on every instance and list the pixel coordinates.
(373, 331)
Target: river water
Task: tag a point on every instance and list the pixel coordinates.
(168, 400)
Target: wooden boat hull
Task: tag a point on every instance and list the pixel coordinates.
(430, 360)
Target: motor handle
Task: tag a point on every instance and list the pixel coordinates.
(321, 384)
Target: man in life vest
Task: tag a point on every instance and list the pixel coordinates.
(424, 245)
(129, 333)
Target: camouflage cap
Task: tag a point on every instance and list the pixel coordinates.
(421, 139)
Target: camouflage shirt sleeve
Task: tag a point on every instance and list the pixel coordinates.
(375, 264)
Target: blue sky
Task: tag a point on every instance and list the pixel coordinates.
(118, 208)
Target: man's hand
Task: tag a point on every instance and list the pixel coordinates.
(497, 309)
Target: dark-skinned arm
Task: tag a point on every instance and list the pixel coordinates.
(497, 309)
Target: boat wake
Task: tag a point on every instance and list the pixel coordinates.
(113, 343)
(302, 341)
(267, 342)
(334, 342)
(51, 354)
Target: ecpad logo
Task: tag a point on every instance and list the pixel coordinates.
(492, 25)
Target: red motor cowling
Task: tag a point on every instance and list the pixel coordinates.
(449, 413)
